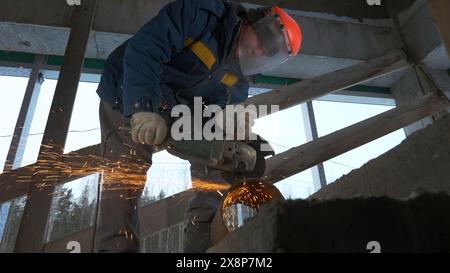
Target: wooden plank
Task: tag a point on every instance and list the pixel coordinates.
(11, 185)
(324, 148)
(312, 88)
(34, 221)
(440, 10)
(76, 164)
(23, 123)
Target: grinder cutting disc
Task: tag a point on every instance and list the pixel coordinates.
(263, 149)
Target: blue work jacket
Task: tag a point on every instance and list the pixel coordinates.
(183, 52)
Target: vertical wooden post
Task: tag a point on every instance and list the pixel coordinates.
(34, 221)
(23, 124)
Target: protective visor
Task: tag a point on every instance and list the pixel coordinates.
(263, 46)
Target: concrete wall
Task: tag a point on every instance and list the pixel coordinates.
(408, 89)
(442, 80)
(353, 225)
(127, 15)
(420, 163)
(42, 27)
(400, 200)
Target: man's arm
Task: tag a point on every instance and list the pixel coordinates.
(154, 44)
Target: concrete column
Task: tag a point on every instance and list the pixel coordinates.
(441, 79)
(26, 114)
(405, 90)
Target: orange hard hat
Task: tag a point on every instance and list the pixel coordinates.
(268, 42)
(291, 29)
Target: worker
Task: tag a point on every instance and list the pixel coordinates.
(192, 48)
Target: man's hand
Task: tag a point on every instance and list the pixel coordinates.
(148, 128)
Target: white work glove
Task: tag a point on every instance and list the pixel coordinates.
(241, 121)
(148, 128)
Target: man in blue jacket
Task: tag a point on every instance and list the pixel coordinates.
(192, 48)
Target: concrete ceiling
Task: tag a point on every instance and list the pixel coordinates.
(334, 35)
(357, 9)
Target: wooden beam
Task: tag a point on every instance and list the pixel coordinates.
(324, 148)
(32, 229)
(312, 88)
(72, 166)
(440, 10)
(23, 123)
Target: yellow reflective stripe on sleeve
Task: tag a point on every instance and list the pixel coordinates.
(188, 42)
(229, 79)
(203, 53)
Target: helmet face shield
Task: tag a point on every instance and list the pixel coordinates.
(262, 46)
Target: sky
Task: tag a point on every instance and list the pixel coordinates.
(283, 130)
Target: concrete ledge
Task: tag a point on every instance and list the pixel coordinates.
(420, 163)
(421, 224)
(400, 199)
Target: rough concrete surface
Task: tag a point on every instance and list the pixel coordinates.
(421, 224)
(406, 90)
(421, 163)
(400, 199)
(350, 8)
